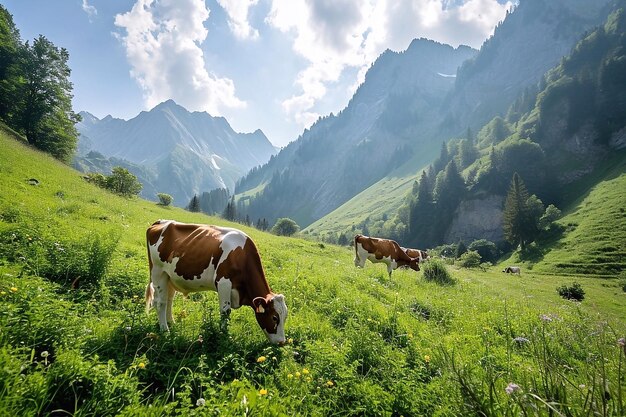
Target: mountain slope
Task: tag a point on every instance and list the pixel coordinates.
(531, 40)
(413, 118)
(386, 123)
(594, 241)
(182, 153)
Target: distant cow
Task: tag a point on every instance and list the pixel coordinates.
(422, 255)
(195, 257)
(512, 270)
(382, 250)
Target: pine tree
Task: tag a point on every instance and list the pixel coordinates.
(421, 214)
(517, 222)
(194, 204)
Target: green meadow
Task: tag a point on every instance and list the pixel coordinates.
(75, 339)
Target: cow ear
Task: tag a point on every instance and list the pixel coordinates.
(259, 304)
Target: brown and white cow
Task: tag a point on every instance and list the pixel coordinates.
(422, 255)
(196, 257)
(382, 250)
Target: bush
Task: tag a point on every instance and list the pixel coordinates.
(487, 250)
(164, 199)
(571, 292)
(470, 259)
(285, 227)
(435, 271)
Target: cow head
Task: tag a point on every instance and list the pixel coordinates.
(271, 314)
(414, 264)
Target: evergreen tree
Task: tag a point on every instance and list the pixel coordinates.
(421, 214)
(460, 249)
(518, 225)
(467, 153)
(194, 204)
(444, 157)
(230, 212)
(449, 191)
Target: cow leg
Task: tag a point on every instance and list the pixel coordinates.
(389, 270)
(171, 292)
(160, 281)
(224, 288)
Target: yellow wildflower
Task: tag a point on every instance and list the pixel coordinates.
(261, 359)
(290, 341)
(308, 379)
(330, 383)
(141, 365)
(305, 371)
(263, 391)
(14, 289)
(297, 374)
(3, 293)
(289, 376)
(427, 358)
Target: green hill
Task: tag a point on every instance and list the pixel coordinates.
(360, 343)
(594, 237)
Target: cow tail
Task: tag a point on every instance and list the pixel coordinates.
(149, 296)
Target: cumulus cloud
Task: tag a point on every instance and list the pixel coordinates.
(333, 35)
(89, 9)
(162, 40)
(237, 11)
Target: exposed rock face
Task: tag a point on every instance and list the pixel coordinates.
(618, 139)
(479, 218)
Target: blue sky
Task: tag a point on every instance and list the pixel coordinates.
(276, 65)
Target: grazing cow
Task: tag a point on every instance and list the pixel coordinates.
(422, 255)
(382, 250)
(195, 257)
(512, 270)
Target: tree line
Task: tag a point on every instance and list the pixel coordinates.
(35, 91)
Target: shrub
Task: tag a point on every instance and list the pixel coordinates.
(164, 199)
(285, 227)
(487, 250)
(571, 292)
(435, 271)
(470, 259)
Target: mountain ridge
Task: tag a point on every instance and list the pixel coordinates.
(173, 150)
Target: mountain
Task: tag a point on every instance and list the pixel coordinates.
(172, 150)
(533, 38)
(387, 122)
(571, 138)
(406, 106)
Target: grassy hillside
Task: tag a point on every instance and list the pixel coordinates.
(384, 197)
(360, 343)
(594, 230)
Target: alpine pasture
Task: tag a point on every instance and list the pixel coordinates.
(75, 340)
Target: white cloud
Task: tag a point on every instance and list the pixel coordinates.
(333, 35)
(162, 42)
(237, 11)
(89, 9)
